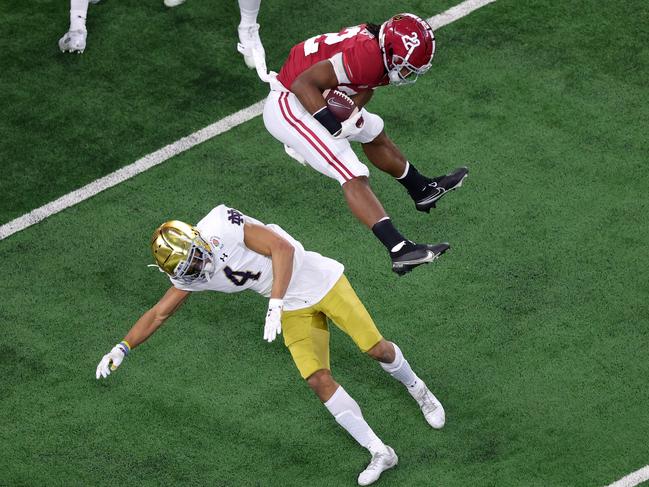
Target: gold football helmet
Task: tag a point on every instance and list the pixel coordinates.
(180, 251)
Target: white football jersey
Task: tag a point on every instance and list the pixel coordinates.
(238, 268)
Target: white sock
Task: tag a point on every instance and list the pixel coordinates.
(78, 13)
(400, 370)
(249, 10)
(348, 415)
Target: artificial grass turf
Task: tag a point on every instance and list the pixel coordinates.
(532, 330)
(149, 76)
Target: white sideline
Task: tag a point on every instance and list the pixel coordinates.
(181, 145)
(632, 479)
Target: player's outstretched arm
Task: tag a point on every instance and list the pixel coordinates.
(143, 328)
(266, 242)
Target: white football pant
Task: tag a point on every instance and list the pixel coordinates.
(287, 120)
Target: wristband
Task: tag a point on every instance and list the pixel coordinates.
(124, 346)
(328, 120)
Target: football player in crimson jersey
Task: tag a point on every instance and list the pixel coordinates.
(230, 252)
(75, 39)
(357, 60)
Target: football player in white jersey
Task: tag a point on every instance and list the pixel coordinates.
(229, 252)
(74, 40)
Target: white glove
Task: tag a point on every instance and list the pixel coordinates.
(273, 326)
(352, 126)
(112, 359)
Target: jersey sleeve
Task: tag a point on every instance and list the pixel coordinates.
(362, 64)
(223, 223)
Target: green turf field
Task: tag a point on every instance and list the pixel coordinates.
(533, 330)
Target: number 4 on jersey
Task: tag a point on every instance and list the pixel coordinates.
(239, 278)
(311, 45)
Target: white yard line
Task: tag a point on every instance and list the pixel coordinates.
(633, 479)
(167, 152)
(127, 172)
(457, 12)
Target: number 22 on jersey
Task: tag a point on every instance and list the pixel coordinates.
(312, 45)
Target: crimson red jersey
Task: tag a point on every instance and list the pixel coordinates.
(354, 54)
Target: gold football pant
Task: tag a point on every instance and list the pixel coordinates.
(306, 332)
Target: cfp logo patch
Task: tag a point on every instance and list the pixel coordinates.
(216, 243)
(411, 41)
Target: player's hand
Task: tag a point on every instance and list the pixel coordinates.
(273, 325)
(112, 360)
(352, 126)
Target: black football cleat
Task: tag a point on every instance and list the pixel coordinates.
(413, 255)
(438, 187)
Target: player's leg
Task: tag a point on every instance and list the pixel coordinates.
(391, 358)
(347, 414)
(384, 154)
(249, 31)
(74, 40)
(306, 335)
(346, 310)
(287, 121)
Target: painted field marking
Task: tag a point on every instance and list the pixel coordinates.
(632, 479)
(186, 143)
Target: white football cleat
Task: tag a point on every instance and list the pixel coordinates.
(73, 41)
(430, 405)
(249, 40)
(380, 463)
(95, 2)
(173, 3)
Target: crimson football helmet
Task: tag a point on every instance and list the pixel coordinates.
(408, 44)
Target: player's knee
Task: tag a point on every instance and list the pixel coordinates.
(380, 139)
(382, 351)
(357, 182)
(322, 383)
(372, 129)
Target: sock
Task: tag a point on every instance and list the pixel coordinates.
(249, 10)
(348, 415)
(400, 370)
(78, 12)
(412, 180)
(388, 235)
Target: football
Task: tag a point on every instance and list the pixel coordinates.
(339, 104)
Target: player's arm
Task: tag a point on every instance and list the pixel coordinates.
(362, 98)
(266, 242)
(153, 319)
(143, 328)
(310, 84)
(308, 88)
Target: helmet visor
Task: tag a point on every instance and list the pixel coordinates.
(199, 261)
